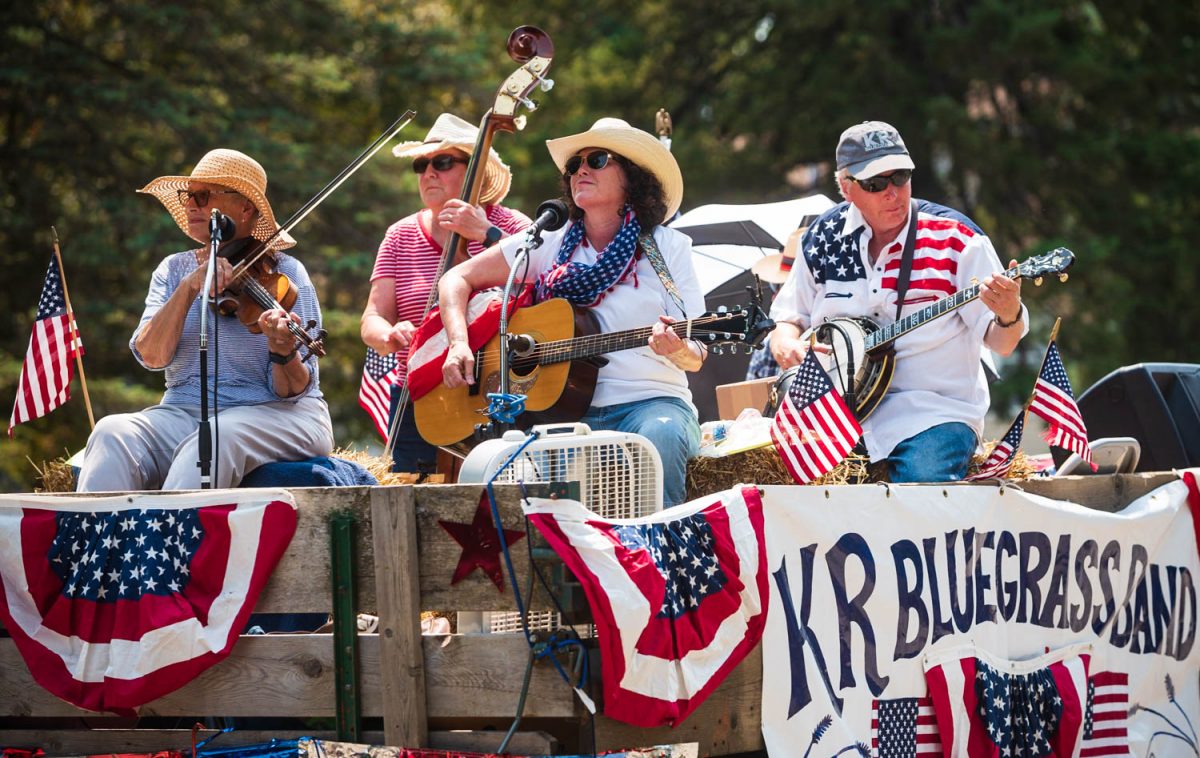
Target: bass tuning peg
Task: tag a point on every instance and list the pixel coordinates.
(1062, 277)
(1037, 281)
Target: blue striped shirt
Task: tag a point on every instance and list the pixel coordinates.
(239, 356)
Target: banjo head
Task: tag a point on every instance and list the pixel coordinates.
(845, 339)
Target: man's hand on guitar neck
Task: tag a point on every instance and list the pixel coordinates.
(788, 348)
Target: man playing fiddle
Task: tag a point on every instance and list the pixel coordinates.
(266, 400)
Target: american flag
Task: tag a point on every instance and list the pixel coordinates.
(380, 372)
(813, 429)
(1054, 402)
(904, 728)
(1000, 460)
(1105, 725)
(113, 602)
(1038, 710)
(46, 373)
(679, 597)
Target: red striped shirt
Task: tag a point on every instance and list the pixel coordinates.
(410, 257)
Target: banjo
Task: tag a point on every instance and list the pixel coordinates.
(862, 357)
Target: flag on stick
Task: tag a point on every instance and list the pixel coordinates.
(380, 372)
(1054, 401)
(813, 430)
(46, 373)
(1000, 460)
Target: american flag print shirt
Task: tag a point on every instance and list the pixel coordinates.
(938, 378)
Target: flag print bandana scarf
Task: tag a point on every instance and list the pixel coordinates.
(584, 284)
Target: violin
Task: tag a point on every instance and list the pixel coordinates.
(256, 285)
(262, 288)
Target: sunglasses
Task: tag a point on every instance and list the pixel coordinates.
(443, 162)
(899, 178)
(595, 162)
(201, 196)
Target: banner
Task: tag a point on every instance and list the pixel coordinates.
(928, 620)
(115, 601)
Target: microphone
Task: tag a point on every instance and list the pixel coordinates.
(551, 215)
(521, 344)
(221, 227)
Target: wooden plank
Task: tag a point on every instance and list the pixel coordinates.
(479, 676)
(468, 676)
(107, 741)
(300, 583)
(401, 659)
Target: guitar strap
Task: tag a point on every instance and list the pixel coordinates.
(906, 258)
(655, 256)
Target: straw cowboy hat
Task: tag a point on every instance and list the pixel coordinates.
(774, 268)
(232, 170)
(631, 143)
(451, 132)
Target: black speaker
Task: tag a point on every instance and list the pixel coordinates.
(1158, 404)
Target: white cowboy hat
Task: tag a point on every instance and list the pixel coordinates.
(641, 148)
(450, 131)
(233, 170)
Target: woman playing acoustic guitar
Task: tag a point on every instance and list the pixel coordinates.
(620, 184)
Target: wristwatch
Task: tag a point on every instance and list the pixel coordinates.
(282, 360)
(493, 235)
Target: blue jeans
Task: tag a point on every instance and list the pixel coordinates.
(939, 454)
(671, 426)
(410, 454)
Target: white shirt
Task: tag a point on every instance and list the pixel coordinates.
(938, 377)
(638, 301)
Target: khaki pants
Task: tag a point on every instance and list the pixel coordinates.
(158, 448)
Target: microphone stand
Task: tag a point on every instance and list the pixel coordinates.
(533, 240)
(206, 447)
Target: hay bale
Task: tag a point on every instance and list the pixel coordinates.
(764, 466)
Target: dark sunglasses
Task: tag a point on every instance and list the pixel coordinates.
(201, 196)
(443, 162)
(595, 161)
(898, 177)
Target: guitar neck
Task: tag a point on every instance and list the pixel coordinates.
(591, 345)
(897, 329)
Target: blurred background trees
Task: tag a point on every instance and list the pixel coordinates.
(1051, 123)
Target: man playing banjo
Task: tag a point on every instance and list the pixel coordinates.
(928, 425)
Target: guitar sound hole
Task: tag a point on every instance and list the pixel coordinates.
(522, 368)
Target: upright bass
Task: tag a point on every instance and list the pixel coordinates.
(533, 49)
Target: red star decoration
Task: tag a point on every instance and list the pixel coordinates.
(480, 544)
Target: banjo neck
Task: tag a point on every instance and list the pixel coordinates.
(897, 329)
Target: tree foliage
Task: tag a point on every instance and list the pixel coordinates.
(1066, 122)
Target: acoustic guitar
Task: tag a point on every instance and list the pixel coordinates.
(862, 355)
(557, 369)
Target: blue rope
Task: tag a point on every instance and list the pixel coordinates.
(512, 574)
(553, 645)
(504, 408)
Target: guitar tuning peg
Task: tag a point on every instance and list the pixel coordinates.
(547, 85)
(529, 104)
(312, 324)
(718, 350)
(722, 309)
(1062, 277)
(1037, 281)
(519, 122)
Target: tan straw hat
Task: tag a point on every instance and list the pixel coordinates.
(233, 170)
(774, 268)
(451, 132)
(641, 148)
